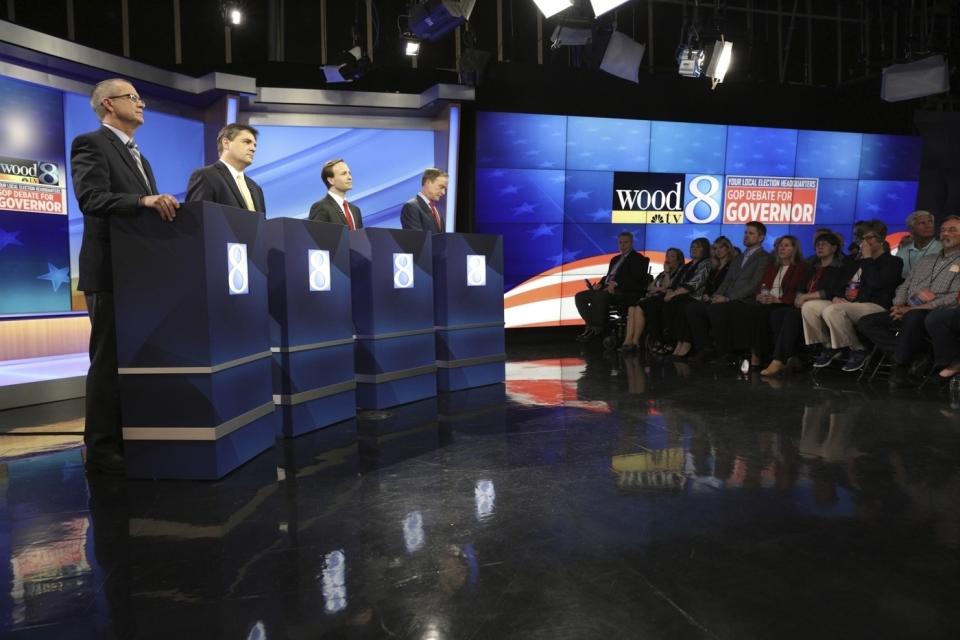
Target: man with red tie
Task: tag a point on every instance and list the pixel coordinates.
(421, 211)
(335, 208)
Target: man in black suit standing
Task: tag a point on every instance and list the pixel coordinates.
(334, 208)
(110, 178)
(626, 280)
(420, 212)
(223, 181)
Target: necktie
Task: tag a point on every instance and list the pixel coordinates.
(436, 216)
(245, 192)
(349, 216)
(135, 152)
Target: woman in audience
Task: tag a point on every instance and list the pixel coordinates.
(721, 256)
(826, 280)
(688, 286)
(750, 323)
(651, 305)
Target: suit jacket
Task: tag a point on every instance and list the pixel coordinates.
(631, 277)
(417, 215)
(741, 280)
(794, 280)
(327, 210)
(107, 182)
(215, 183)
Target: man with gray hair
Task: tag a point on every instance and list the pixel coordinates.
(420, 212)
(921, 242)
(110, 178)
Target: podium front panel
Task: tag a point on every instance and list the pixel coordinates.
(311, 326)
(392, 282)
(192, 340)
(468, 310)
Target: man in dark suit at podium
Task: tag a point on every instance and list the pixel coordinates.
(420, 212)
(625, 282)
(110, 178)
(334, 208)
(223, 181)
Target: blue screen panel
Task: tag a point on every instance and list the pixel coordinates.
(888, 200)
(836, 201)
(660, 237)
(386, 165)
(735, 234)
(34, 253)
(685, 147)
(828, 154)
(761, 151)
(607, 144)
(587, 196)
(585, 240)
(520, 195)
(886, 157)
(521, 141)
(533, 248)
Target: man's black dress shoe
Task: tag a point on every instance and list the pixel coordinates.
(108, 463)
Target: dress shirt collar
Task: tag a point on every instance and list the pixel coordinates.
(236, 174)
(339, 199)
(124, 138)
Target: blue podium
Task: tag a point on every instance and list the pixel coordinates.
(468, 310)
(311, 327)
(193, 341)
(392, 282)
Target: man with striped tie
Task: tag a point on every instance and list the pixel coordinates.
(224, 181)
(421, 211)
(111, 177)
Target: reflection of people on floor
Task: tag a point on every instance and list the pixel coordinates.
(636, 375)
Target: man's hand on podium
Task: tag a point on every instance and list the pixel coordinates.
(164, 204)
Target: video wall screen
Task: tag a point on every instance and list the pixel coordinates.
(559, 189)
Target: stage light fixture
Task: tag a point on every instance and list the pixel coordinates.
(234, 16)
(350, 65)
(551, 8)
(600, 7)
(689, 61)
(411, 44)
(720, 59)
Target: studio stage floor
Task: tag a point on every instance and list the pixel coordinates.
(589, 497)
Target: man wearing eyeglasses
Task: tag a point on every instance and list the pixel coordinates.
(110, 177)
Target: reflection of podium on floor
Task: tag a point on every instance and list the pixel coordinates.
(392, 281)
(193, 341)
(311, 330)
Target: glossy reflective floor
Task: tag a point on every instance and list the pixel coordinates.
(589, 497)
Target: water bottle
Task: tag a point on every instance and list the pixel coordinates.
(955, 392)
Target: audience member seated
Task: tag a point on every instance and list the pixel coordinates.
(943, 325)
(624, 283)
(689, 285)
(647, 312)
(781, 282)
(933, 283)
(921, 242)
(825, 282)
(738, 286)
(869, 285)
(723, 252)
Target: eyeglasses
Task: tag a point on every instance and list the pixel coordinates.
(132, 97)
